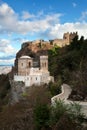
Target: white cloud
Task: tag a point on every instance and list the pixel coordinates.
(46, 26)
(9, 21)
(58, 30)
(41, 24)
(6, 47)
(27, 15)
(8, 18)
(7, 52)
(50, 23)
(37, 25)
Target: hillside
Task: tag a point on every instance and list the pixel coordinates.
(67, 64)
(70, 65)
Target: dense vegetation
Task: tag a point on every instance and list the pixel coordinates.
(4, 89)
(69, 64)
(58, 117)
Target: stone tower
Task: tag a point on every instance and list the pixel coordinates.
(72, 36)
(24, 65)
(44, 63)
(68, 37)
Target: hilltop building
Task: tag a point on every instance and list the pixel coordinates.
(67, 38)
(31, 75)
(41, 44)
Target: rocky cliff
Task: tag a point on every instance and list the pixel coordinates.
(33, 49)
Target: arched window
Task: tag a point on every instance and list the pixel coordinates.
(29, 64)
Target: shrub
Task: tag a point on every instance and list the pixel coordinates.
(41, 116)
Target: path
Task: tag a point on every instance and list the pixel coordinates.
(66, 90)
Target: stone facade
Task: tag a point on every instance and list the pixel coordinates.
(31, 75)
(24, 65)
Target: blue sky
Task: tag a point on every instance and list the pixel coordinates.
(27, 20)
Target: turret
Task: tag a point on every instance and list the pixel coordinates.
(24, 65)
(44, 63)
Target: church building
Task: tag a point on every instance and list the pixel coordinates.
(31, 75)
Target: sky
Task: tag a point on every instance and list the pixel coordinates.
(28, 20)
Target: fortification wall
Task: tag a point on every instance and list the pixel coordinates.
(60, 42)
(41, 44)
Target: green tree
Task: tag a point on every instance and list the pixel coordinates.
(41, 116)
(72, 112)
(57, 111)
(55, 88)
(75, 112)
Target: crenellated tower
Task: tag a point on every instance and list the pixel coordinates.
(69, 36)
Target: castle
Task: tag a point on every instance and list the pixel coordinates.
(67, 38)
(26, 68)
(31, 75)
(41, 44)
